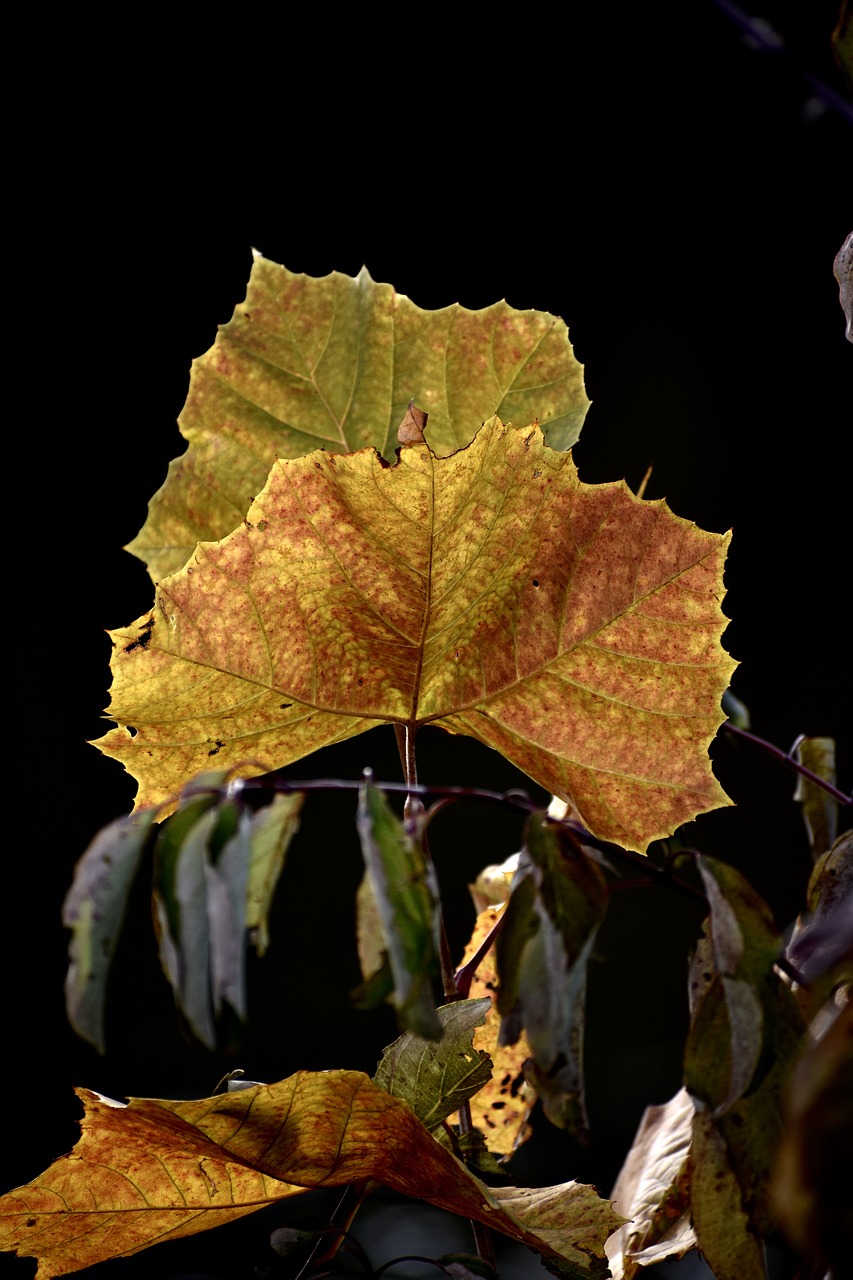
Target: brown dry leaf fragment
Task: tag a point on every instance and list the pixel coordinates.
(652, 1191)
(157, 1170)
(572, 627)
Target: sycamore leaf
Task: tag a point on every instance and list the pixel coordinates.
(331, 363)
(572, 627)
(652, 1191)
(543, 951)
(405, 896)
(158, 1170)
(94, 910)
(435, 1078)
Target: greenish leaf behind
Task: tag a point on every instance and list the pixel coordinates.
(332, 363)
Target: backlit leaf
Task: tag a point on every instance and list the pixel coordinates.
(331, 363)
(158, 1170)
(820, 810)
(574, 628)
(436, 1077)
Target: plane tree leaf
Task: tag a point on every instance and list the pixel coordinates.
(553, 915)
(574, 628)
(331, 363)
(94, 910)
(157, 1170)
(405, 896)
(437, 1077)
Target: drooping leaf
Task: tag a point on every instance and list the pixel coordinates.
(820, 810)
(406, 898)
(723, 1229)
(331, 363)
(573, 628)
(273, 828)
(727, 1034)
(158, 1170)
(94, 910)
(215, 870)
(741, 1047)
(543, 951)
(436, 1077)
(652, 1191)
(501, 1109)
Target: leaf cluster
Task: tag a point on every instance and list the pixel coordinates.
(466, 579)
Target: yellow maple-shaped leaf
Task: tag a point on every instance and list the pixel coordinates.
(572, 627)
(331, 363)
(157, 1170)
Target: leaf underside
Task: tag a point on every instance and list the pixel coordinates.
(331, 363)
(574, 628)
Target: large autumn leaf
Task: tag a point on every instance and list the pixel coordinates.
(158, 1170)
(331, 363)
(572, 627)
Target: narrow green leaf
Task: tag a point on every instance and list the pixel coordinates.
(180, 904)
(407, 904)
(542, 958)
(94, 910)
(436, 1078)
(273, 828)
(722, 1227)
(226, 875)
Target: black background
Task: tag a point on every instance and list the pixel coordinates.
(677, 196)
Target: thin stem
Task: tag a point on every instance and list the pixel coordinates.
(464, 975)
(785, 757)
